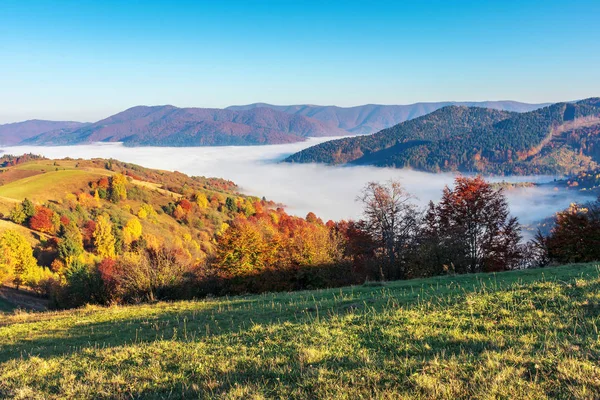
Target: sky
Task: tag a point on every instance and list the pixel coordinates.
(85, 60)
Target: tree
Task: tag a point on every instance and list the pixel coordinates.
(132, 231)
(43, 220)
(201, 200)
(118, 188)
(16, 258)
(391, 219)
(28, 208)
(242, 249)
(576, 234)
(70, 246)
(17, 215)
(104, 241)
(474, 229)
(231, 205)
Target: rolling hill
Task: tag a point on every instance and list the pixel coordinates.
(371, 118)
(172, 126)
(527, 334)
(12, 134)
(558, 139)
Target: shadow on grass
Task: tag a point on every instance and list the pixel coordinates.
(194, 321)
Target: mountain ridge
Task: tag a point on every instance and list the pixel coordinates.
(254, 124)
(371, 118)
(560, 138)
(172, 126)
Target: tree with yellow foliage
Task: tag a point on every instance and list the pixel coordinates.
(132, 231)
(201, 200)
(104, 240)
(16, 258)
(118, 188)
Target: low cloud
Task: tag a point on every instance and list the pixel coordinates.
(328, 191)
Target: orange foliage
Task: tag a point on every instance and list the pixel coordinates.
(42, 220)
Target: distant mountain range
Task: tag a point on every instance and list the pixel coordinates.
(371, 118)
(172, 126)
(12, 134)
(237, 125)
(560, 138)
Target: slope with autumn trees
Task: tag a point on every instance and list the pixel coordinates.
(558, 139)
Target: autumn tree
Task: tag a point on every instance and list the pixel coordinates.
(132, 231)
(575, 236)
(118, 188)
(43, 220)
(17, 214)
(201, 200)
(104, 240)
(391, 219)
(473, 227)
(242, 249)
(16, 258)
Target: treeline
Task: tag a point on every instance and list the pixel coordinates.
(116, 243)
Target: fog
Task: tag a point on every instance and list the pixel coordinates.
(328, 191)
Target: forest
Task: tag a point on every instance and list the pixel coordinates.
(128, 234)
(558, 139)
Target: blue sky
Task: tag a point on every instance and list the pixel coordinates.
(84, 60)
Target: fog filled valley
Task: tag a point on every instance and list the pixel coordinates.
(328, 191)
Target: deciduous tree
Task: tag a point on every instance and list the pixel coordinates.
(104, 241)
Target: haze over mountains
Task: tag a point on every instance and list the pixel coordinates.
(252, 124)
(15, 133)
(561, 138)
(371, 118)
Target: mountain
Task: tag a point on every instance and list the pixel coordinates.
(15, 133)
(371, 118)
(172, 126)
(560, 138)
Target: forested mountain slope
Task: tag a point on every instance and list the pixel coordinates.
(561, 138)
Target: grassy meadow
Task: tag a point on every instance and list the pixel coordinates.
(526, 334)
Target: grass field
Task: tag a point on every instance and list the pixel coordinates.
(53, 185)
(525, 334)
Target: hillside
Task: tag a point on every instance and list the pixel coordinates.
(15, 133)
(371, 118)
(524, 334)
(558, 139)
(172, 126)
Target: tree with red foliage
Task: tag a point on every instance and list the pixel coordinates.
(185, 204)
(88, 234)
(104, 183)
(576, 234)
(42, 220)
(473, 228)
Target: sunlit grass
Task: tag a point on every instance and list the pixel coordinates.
(527, 334)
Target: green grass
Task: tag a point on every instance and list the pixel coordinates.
(526, 334)
(47, 185)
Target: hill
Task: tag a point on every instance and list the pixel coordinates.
(561, 138)
(12, 134)
(371, 118)
(172, 126)
(524, 334)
